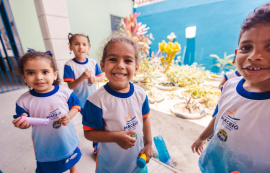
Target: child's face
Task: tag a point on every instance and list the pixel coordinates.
(39, 74)
(253, 55)
(80, 47)
(120, 66)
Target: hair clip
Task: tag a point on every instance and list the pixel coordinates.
(49, 53)
(31, 50)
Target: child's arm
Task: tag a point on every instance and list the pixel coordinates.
(222, 82)
(64, 119)
(122, 138)
(209, 131)
(73, 84)
(18, 122)
(147, 150)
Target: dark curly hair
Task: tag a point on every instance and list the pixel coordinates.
(261, 15)
(35, 54)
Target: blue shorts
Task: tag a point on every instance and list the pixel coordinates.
(61, 165)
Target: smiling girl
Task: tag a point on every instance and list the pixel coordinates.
(116, 115)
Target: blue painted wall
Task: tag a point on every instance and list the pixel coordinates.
(218, 24)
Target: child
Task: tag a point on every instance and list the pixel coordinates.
(116, 115)
(241, 127)
(56, 145)
(229, 75)
(82, 73)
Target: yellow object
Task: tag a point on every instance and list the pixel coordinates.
(171, 50)
(143, 156)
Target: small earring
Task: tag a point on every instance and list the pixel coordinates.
(70, 52)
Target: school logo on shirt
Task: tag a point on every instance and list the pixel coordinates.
(222, 135)
(54, 115)
(56, 124)
(131, 124)
(229, 120)
(233, 114)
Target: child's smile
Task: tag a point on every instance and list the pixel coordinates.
(120, 66)
(253, 56)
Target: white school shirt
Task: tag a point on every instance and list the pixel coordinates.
(52, 142)
(241, 132)
(231, 75)
(113, 111)
(74, 69)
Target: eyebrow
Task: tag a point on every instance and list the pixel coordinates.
(245, 42)
(115, 55)
(35, 70)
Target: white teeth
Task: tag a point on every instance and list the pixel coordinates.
(256, 68)
(120, 75)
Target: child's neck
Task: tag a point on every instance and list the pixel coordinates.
(256, 87)
(80, 59)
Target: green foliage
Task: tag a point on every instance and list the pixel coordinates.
(187, 75)
(224, 64)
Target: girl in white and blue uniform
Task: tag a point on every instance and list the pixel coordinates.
(116, 115)
(82, 73)
(55, 145)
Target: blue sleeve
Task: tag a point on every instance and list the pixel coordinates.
(73, 101)
(19, 111)
(92, 116)
(68, 72)
(145, 107)
(215, 112)
(225, 76)
(98, 70)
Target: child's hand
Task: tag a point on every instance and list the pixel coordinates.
(198, 146)
(87, 74)
(18, 122)
(124, 140)
(92, 79)
(64, 119)
(148, 151)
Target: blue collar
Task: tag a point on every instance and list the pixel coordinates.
(251, 95)
(86, 61)
(34, 93)
(118, 94)
(237, 73)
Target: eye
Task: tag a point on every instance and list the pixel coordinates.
(128, 60)
(246, 47)
(268, 47)
(45, 72)
(29, 73)
(112, 59)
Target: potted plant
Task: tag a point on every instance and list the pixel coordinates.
(188, 108)
(168, 52)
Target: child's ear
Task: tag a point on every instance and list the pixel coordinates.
(24, 79)
(102, 66)
(136, 69)
(235, 51)
(55, 75)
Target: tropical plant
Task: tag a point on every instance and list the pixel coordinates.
(224, 64)
(137, 31)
